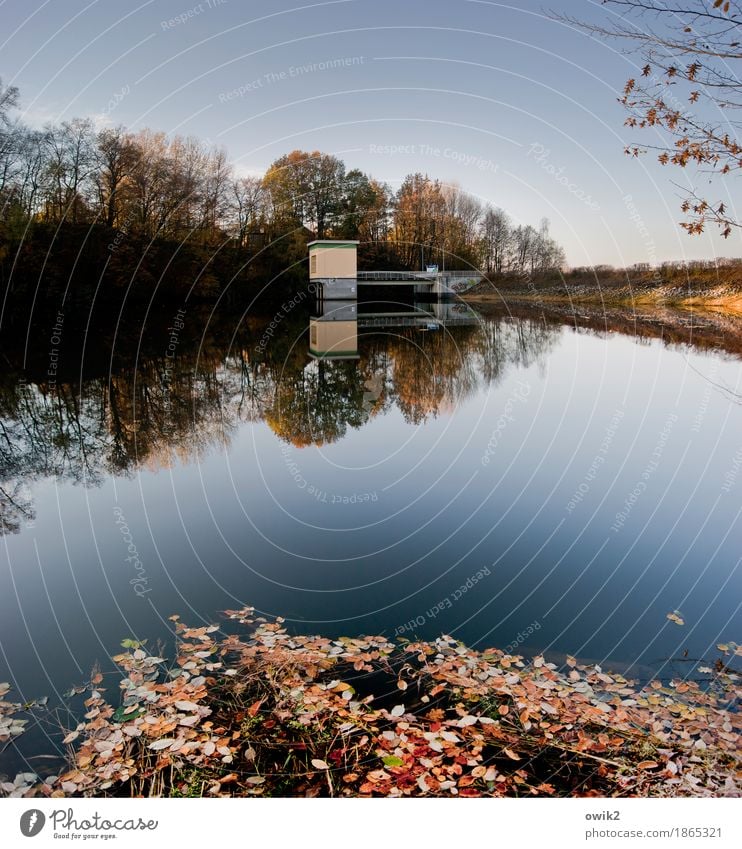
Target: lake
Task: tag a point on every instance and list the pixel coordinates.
(535, 483)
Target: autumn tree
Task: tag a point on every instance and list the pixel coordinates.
(687, 91)
(307, 188)
(364, 209)
(418, 216)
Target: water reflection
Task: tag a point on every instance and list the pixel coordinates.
(333, 332)
(316, 379)
(353, 480)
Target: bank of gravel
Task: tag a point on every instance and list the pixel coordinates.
(712, 289)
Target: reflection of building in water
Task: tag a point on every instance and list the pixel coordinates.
(373, 387)
(156, 412)
(333, 335)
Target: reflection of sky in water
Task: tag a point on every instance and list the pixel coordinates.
(519, 479)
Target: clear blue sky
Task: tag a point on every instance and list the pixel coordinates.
(515, 107)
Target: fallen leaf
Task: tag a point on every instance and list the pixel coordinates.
(161, 744)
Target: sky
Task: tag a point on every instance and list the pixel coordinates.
(517, 108)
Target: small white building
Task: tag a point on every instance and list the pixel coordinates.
(334, 264)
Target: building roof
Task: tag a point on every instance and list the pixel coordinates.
(338, 243)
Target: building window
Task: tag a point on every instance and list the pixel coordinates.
(313, 264)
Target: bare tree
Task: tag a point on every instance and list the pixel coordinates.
(248, 206)
(496, 236)
(71, 164)
(117, 155)
(9, 137)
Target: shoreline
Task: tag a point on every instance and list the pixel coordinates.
(249, 709)
(709, 327)
(673, 287)
(731, 304)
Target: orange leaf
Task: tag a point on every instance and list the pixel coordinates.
(255, 707)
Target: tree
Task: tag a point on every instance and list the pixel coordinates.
(496, 239)
(459, 226)
(71, 162)
(524, 243)
(216, 200)
(148, 181)
(364, 211)
(9, 139)
(30, 172)
(688, 91)
(116, 156)
(248, 207)
(9, 98)
(418, 214)
(307, 188)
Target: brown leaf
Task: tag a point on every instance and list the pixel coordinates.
(255, 707)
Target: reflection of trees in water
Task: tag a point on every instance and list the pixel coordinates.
(427, 373)
(318, 404)
(169, 410)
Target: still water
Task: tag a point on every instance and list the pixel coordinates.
(376, 469)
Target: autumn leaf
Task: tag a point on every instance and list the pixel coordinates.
(158, 745)
(255, 707)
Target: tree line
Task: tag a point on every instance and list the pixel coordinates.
(159, 186)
